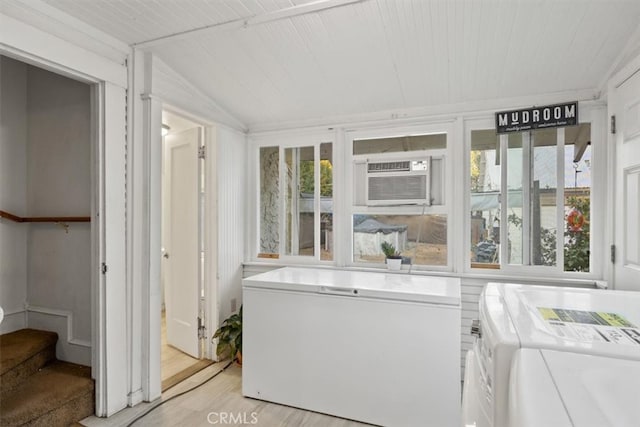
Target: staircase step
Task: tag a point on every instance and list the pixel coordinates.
(57, 395)
(22, 353)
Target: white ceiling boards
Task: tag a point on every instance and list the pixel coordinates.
(277, 61)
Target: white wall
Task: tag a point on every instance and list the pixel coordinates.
(13, 196)
(232, 209)
(171, 87)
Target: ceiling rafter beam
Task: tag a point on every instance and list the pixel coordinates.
(277, 15)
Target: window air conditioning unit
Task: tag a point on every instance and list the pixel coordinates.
(399, 182)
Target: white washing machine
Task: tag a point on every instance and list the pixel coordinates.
(564, 389)
(512, 316)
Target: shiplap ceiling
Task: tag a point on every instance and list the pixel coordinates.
(289, 64)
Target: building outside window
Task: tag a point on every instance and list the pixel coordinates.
(399, 197)
(530, 198)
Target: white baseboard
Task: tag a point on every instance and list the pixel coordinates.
(69, 348)
(61, 313)
(14, 320)
(135, 397)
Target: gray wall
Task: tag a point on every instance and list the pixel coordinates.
(55, 180)
(13, 195)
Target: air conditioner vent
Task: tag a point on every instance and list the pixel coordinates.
(389, 166)
(399, 182)
(397, 188)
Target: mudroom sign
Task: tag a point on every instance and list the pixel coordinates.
(550, 116)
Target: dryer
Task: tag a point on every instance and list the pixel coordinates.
(514, 316)
(564, 389)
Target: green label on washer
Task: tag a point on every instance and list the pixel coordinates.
(586, 317)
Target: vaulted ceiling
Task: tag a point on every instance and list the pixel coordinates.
(275, 61)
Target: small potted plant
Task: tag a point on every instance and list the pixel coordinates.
(229, 337)
(393, 257)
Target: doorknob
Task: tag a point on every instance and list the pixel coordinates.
(166, 255)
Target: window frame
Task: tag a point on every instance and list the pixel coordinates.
(595, 115)
(441, 127)
(285, 141)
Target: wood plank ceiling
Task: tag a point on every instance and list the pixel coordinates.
(370, 55)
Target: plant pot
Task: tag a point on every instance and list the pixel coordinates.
(394, 263)
(239, 358)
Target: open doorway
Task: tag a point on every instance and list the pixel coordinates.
(48, 236)
(183, 249)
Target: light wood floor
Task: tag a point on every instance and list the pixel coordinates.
(223, 394)
(175, 365)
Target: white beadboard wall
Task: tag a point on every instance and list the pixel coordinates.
(231, 155)
(181, 94)
(470, 293)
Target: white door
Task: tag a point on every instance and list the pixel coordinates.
(626, 101)
(180, 240)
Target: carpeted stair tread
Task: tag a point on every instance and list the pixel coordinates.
(22, 353)
(59, 394)
(21, 345)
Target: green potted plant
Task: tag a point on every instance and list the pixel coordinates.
(229, 336)
(393, 257)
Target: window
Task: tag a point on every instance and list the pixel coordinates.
(399, 198)
(296, 201)
(420, 239)
(530, 198)
(269, 197)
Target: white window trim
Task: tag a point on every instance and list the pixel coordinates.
(589, 113)
(457, 187)
(284, 141)
(345, 239)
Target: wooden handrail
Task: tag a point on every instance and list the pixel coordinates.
(16, 218)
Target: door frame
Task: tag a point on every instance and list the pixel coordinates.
(108, 326)
(209, 225)
(151, 321)
(166, 230)
(632, 67)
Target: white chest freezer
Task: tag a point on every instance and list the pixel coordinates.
(564, 389)
(373, 347)
(512, 316)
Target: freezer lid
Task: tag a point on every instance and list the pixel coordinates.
(600, 322)
(401, 287)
